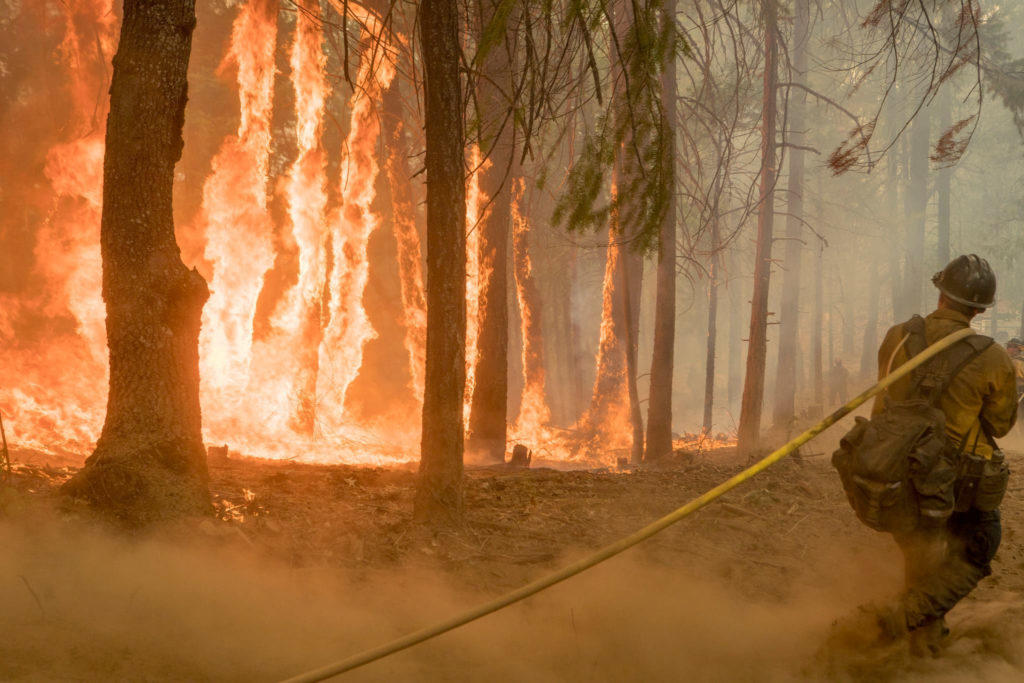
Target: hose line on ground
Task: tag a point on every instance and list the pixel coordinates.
(407, 641)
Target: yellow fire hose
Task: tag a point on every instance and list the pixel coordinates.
(643, 534)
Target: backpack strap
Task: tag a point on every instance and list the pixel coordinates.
(933, 379)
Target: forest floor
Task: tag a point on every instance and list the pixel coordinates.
(307, 564)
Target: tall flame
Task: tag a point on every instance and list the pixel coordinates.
(298, 321)
(58, 399)
(349, 327)
(238, 230)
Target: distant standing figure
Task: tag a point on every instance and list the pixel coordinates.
(838, 377)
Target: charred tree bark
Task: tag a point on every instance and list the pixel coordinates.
(789, 324)
(150, 462)
(659, 402)
(489, 404)
(757, 351)
(439, 487)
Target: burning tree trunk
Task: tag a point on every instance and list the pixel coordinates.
(659, 403)
(149, 463)
(789, 324)
(439, 488)
(489, 408)
(757, 351)
(534, 413)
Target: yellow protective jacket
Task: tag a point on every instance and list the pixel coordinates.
(985, 389)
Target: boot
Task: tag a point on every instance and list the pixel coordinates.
(927, 640)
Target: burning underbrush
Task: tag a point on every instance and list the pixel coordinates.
(304, 564)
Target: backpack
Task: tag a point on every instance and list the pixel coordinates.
(898, 468)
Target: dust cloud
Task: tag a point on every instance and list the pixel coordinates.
(81, 604)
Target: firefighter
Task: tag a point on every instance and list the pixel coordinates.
(838, 379)
(1015, 347)
(944, 564)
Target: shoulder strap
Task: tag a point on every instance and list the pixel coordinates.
(916, 339)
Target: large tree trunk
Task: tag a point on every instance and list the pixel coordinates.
(489, 406)
(439, 488)
(149, 463)
(659, 402)
(757, 350)
(789, 324)
(916, 205)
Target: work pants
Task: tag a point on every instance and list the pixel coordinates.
(944, 565)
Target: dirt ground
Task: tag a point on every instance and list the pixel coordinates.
(307, 564)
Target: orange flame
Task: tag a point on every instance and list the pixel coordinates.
(349, 328)
(58, 403)
(298, 320)
(237, 227)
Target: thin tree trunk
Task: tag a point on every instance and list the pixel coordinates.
(149, 463)
(895, 271)
(818, 325)
(943, 181)
(659, 402)
(789, 323)
(757, 351)
(632, 265)
(439, 487)
(736, 333)
(712, 336)
(869, 352)
(916, 206)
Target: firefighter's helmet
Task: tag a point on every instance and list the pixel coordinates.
(967, 280)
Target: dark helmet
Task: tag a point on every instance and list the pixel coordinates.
(1016, 341)
(967, 280)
